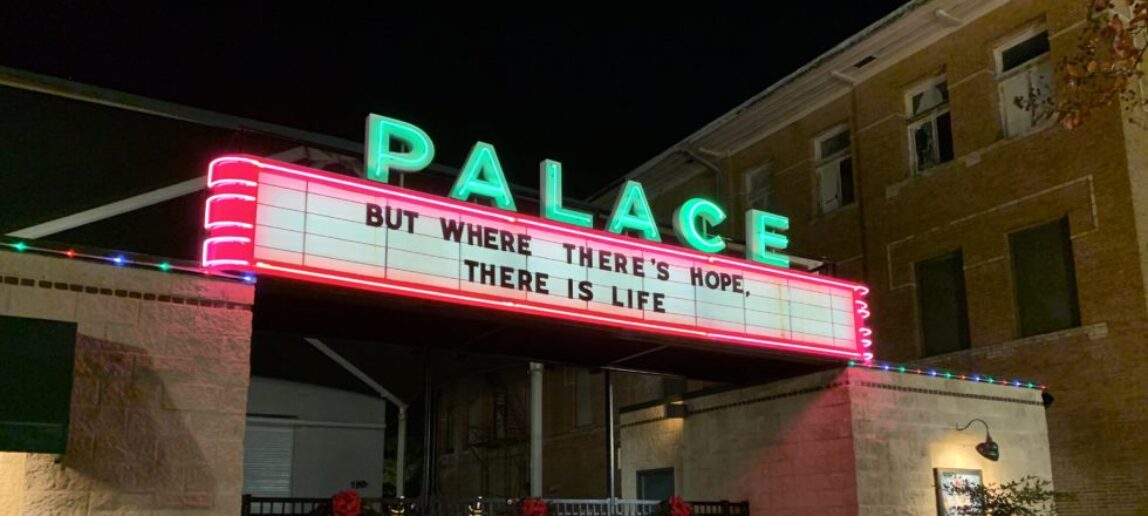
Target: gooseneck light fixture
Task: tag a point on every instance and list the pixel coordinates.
(988, 449)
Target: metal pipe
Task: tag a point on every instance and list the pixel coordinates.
(428, 431)
(401, 455)
(610, 450)
(282, 421)
(536, 386)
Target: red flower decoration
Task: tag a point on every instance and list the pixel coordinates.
(533, 507)
(347, 503)
(679, 507)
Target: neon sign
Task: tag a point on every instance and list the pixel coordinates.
(482, 176)
(294, 222)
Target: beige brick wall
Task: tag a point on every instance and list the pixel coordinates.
(160, 390)
(839, 442)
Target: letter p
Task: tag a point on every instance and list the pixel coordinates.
(416, 150)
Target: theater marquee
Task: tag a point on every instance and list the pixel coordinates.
(284, 220)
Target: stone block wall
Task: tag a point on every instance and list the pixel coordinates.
(904, 425)
(840, 442)
(159, 397)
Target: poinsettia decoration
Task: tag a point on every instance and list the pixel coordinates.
(679, 507)
(533, 507)
(347, 503)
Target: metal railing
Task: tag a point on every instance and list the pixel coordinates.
(442, 506)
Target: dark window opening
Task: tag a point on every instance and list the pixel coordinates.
(1044, 278)
(656, 484)
(1024, 51)
(942, 304)
(847, 182)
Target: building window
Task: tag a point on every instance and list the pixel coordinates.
(1025, 72)
(583, 406)
(944, 315)
(759, 190)
(930, 124)
(655, 484)
(834, 169)
(1044, 278)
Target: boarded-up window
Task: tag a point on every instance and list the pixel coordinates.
(1044, 278)
(941, 302)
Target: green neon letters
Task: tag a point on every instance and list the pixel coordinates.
(688, 230)
(632, 211)
(482, 176)
(758, 236)
(550, 182)
(381, 132)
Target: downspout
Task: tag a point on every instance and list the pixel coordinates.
(858, 180)
(536, 392)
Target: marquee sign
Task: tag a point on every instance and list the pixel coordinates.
(284, 220)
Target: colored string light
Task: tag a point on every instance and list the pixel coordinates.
(119, 259)
(949, 375)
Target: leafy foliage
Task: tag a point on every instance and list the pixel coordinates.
(1028, 496)
(1105, 67)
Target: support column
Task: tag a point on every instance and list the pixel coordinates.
(401, 455)
(536, 387)
(610, 447)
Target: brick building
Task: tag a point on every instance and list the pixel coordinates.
(994, 240)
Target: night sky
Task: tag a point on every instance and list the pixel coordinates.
(599, 90)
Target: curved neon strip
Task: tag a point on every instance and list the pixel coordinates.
(240, 182)
(208, 224)
(207, 243)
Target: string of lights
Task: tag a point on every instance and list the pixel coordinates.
(948, 375)
(121, 259)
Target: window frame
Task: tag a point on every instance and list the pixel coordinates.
(820, 160)
(929, 116)
(1002, 75)
(748, 194)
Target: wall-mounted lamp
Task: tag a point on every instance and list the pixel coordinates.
(987, 449)
(677, 409)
